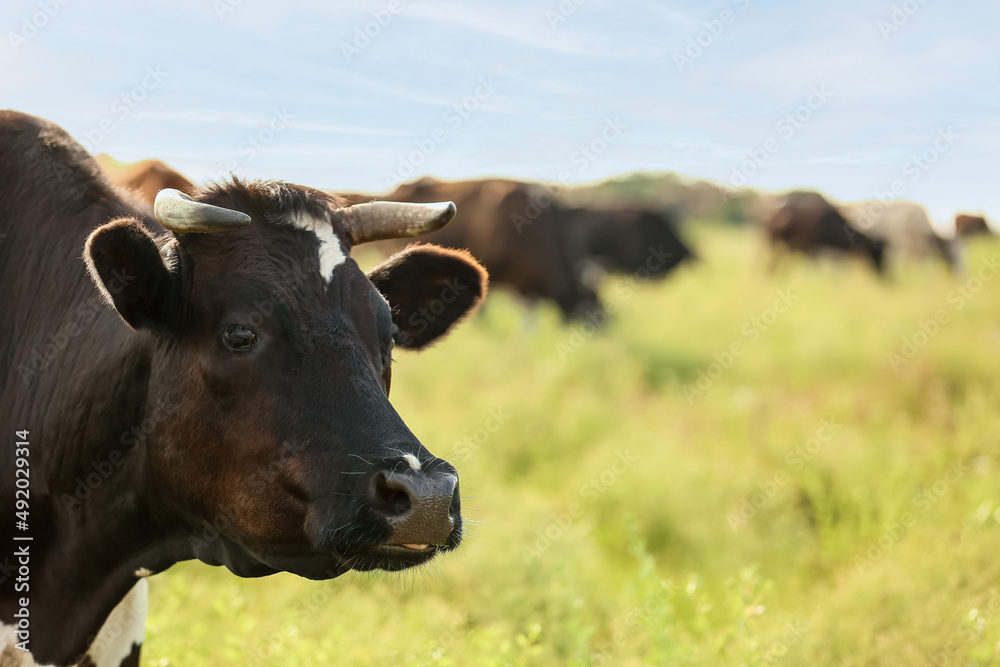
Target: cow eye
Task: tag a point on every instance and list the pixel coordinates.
(238, 338)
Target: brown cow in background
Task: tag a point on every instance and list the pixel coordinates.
(145, 177)
(808, 223)
(971, 225)
(515, 230)
(543, 248)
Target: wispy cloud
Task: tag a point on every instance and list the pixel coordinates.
(558, 81)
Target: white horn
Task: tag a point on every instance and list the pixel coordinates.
(177, 212)
(379, 220)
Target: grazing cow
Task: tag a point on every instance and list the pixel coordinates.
(232, 407)
(809, 224)
(542, 248)
(906, 230)
(516, 231)
(626, 240)
(971, 225)
(145, 177)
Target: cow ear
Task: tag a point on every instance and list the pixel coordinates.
(126, 265)
(429, 289)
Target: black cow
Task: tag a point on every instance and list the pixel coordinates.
(627, 240)
(235, 407)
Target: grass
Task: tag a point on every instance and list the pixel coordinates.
(617, 517)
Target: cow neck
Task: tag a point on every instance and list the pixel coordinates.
(99, 529)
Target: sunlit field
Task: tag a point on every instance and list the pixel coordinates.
(652, 494)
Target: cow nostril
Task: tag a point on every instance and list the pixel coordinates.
(420, 508)
(391, 498)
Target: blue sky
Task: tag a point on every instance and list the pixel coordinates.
(887, 92)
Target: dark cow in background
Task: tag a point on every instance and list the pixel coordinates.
(971, 225)
(542, 248)
(627, 240)
(232, 407)
(906, 230)
(145, 177)
(808, 223)
(516, 230)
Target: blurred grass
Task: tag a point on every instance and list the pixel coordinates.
(574, 559)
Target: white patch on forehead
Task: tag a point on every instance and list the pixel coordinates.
(331, 253)
(143, 572)
(412, 460)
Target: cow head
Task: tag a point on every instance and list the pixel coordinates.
(269, 373)
(630, 241)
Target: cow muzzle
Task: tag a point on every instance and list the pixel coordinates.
(420, 507)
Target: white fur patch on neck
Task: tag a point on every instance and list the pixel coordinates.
(331, 253)
(10, 654)
(412, 460)
(125, 627)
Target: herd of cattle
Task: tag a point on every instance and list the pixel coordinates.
(542, 248)
(204, 373)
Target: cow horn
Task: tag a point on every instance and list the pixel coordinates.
(177, 212)
(379, 220)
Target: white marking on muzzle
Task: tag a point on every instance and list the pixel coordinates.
(331, 253)
(412, 460)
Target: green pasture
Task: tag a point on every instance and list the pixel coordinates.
(703, 481)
